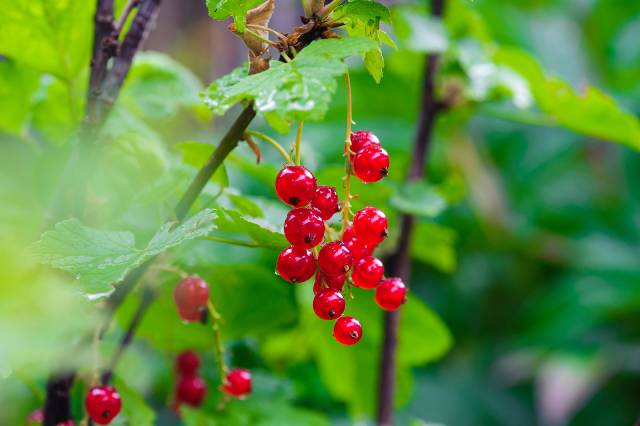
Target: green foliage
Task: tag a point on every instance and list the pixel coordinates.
(223, 9)
(297, 90)
(99, 259)
(135, 411)
(419, 31)
(52, 36)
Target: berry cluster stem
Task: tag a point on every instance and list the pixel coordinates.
(298, 139)
(346, 207)
(217, 340)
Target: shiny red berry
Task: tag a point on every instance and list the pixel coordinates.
(295, 264)
(191, 390)
(348, 234)
(362, 139)
(370, 225)
(391, 294)
(103, 404)
(334, 259)
(368, 272)
(325, 201)
(237, 383)
(304, 228)
(347, 330)
(295, 185)
(358, 249)
(328, 304)
(332, 282)
(191, 296)
(187, 363)
(371, 164)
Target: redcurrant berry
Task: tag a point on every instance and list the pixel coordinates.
(335, 282)
(391, 293)
(191, 390)
(328, 304)
(187, 363)
(347, 330)
(304, 228)
(191, 296)
(348, 234)
(295, 185)
(237, 383)
(370, 225)
(295, 264)
(371, 164)
(368, 272)
(103, 404)
(325, 201)
(334, 259)
(362, 139)
(358, 249)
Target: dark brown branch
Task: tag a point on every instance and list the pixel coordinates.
(147, 11)
(57, 408)
(399, 262)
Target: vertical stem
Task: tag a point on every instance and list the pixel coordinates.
(217, 340)
(346, 207)
(57, 408)
(298, 139)
(399, 262)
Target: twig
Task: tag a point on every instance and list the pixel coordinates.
(125, 14)
(398, 263)
(57, 407)
(271, 142)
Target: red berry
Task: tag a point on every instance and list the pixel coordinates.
(295, 185)
(391, 294)
(295, 264)
(362, 139)
(37, 416)
(370, 225)
(237, 383)
(191, 390)
(325, 201)
(334, 259)
(347, 330)
(191, 296)
(328, 304)
(348, 234)
(103, 404)
(187, 363)
(371, 164)
(368, 272)
(358, 249)
(304, 228)
(324, 282)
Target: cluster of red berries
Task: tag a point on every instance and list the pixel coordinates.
(103, 404)
(338, 261)
(190, 388)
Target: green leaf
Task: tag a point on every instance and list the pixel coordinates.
(53, 36)
(157, 86)
(365, 11)
(134, 409)
(418, 31)
(54, 113)
(197, 153)
(299, 90)
(434, 244)
(419, 199)
(591, 112)
(223, 9)
(100, 259)
(17, 85)
(258, 230)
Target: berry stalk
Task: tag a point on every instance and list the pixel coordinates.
(217, 340)
(346, 207)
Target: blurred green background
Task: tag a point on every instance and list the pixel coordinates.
(525, 306)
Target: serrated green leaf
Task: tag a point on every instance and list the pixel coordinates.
(100, 259)
(366, 11)
(223, 9)
(258, 230)
(298, 90)
(157, 86)
(135, 410)
(53, 36)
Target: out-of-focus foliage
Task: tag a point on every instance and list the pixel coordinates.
(525, 253)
